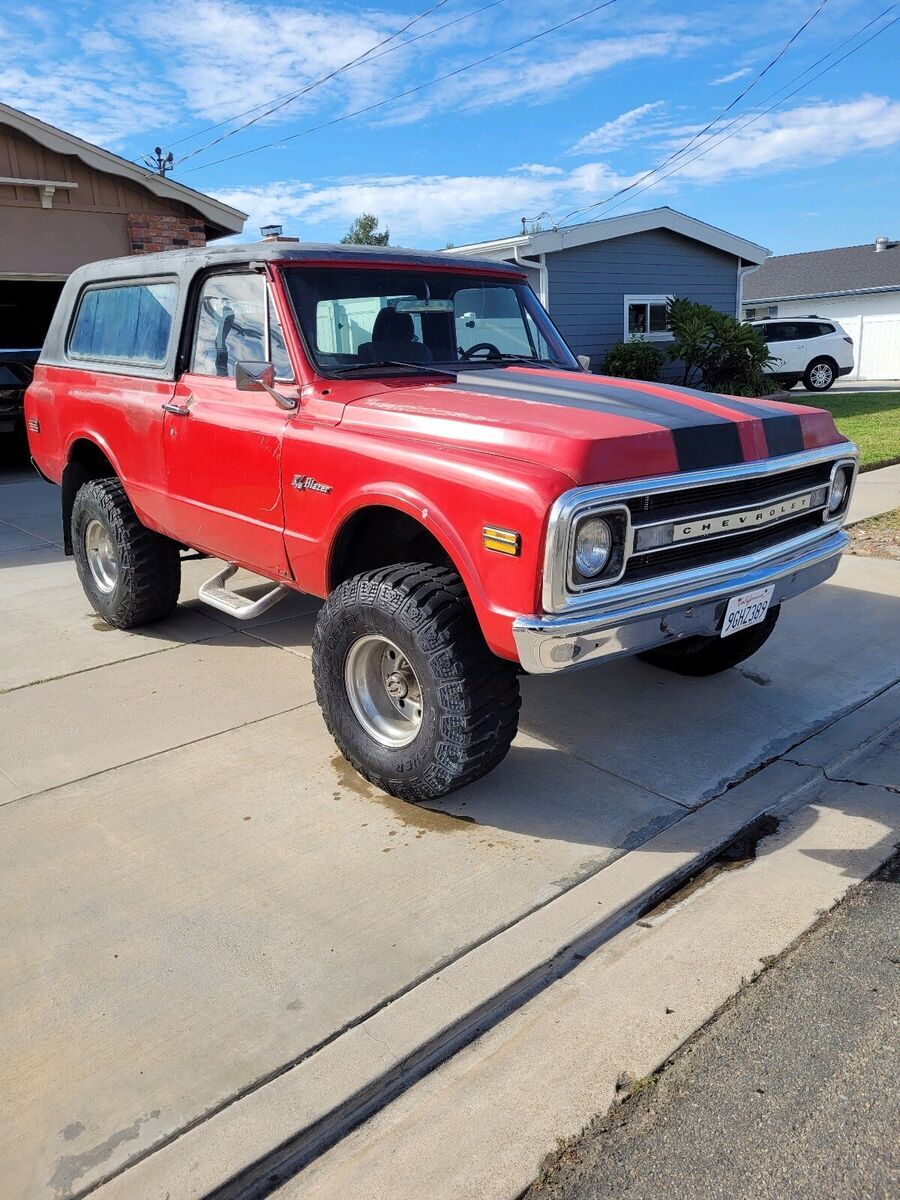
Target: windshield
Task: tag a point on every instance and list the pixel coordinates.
(354, 319)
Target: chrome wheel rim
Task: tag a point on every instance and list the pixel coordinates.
(101, 556)
(383, 690)
(821, 375)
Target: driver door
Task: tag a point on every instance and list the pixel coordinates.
(223, 447)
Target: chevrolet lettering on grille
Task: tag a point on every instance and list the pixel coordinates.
(742, 519)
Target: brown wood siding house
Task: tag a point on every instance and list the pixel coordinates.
(65, 202)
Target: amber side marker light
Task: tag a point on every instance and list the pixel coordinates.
(502, 541)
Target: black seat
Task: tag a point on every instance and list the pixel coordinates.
(393, 338)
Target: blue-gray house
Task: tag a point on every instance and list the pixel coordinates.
(608, 281)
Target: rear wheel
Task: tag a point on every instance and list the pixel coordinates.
(820, 375)
(130, 574)
(710, 655)
(409, 690)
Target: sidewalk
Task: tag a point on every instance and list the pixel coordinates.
(866, 385)
(876, 492)
(483, 1123)
(791, 1091)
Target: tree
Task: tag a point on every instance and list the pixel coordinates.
(364, 232)
(725, 354)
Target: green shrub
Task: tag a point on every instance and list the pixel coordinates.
(716, 351)
(636, 359)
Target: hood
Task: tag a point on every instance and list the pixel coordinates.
(594, 428)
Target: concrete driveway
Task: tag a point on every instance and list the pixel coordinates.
(200, 895)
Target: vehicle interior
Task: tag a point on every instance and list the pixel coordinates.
(352, 319)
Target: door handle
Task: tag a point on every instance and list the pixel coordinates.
(177, 410)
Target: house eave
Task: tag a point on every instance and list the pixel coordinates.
(221, 216)
(551, 241)
(869, 291)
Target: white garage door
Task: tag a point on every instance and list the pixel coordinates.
(879, 347)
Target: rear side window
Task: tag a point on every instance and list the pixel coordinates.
(818, 329)
(129, 323)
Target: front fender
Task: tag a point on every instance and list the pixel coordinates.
(453, 494)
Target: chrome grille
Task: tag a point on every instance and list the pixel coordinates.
(699, 506)
(736, 492)
(713, 550)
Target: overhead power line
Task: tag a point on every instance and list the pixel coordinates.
(364, 60)
(715, 140)
(290, 97)
(413, 90)
(699, 134)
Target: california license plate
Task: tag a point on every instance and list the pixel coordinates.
(746, 610)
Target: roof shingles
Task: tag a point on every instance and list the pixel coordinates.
(825, 272)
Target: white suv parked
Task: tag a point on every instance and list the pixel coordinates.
(811, 349)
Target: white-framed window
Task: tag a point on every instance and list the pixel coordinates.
(645, 317)
(760, 312)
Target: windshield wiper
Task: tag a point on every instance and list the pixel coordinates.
(512, 360)
(417, 368)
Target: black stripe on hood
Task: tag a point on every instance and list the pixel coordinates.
(783, 431)
(702, 439)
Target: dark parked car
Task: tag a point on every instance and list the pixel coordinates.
(16, 370)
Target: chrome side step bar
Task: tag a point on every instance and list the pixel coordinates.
(216, 595)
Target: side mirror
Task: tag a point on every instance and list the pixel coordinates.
(260, 377)
(584, 361)
(254, 376)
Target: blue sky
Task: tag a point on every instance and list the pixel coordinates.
(551, 127)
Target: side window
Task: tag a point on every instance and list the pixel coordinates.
(125, 323)
(646, 317)
(785, 331)
(231, 327)
(230, 324)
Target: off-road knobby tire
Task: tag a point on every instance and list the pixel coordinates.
(149, 566)
(471, 697)
(710, 655)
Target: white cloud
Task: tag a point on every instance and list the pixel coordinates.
(250, 53)
(539, 74)
(730, 78)
(615, 133)
(423, 209)
(806, 136)
(536, 169)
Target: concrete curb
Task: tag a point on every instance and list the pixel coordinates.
(287, 1121)
(484, 1122)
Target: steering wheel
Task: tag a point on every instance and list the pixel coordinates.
(492, 351)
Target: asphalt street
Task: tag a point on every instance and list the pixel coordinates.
(792, 1091)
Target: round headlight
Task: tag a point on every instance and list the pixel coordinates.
(593, 546)
(839, 486)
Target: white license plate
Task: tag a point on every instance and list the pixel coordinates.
(746, 610)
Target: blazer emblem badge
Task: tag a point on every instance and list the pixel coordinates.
(306, 483)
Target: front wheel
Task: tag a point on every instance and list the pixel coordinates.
(820, 375)
(409, 690)
(710, 655)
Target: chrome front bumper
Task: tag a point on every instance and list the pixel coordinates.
(635, 618)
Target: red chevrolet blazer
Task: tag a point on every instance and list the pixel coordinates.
(408, 436)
